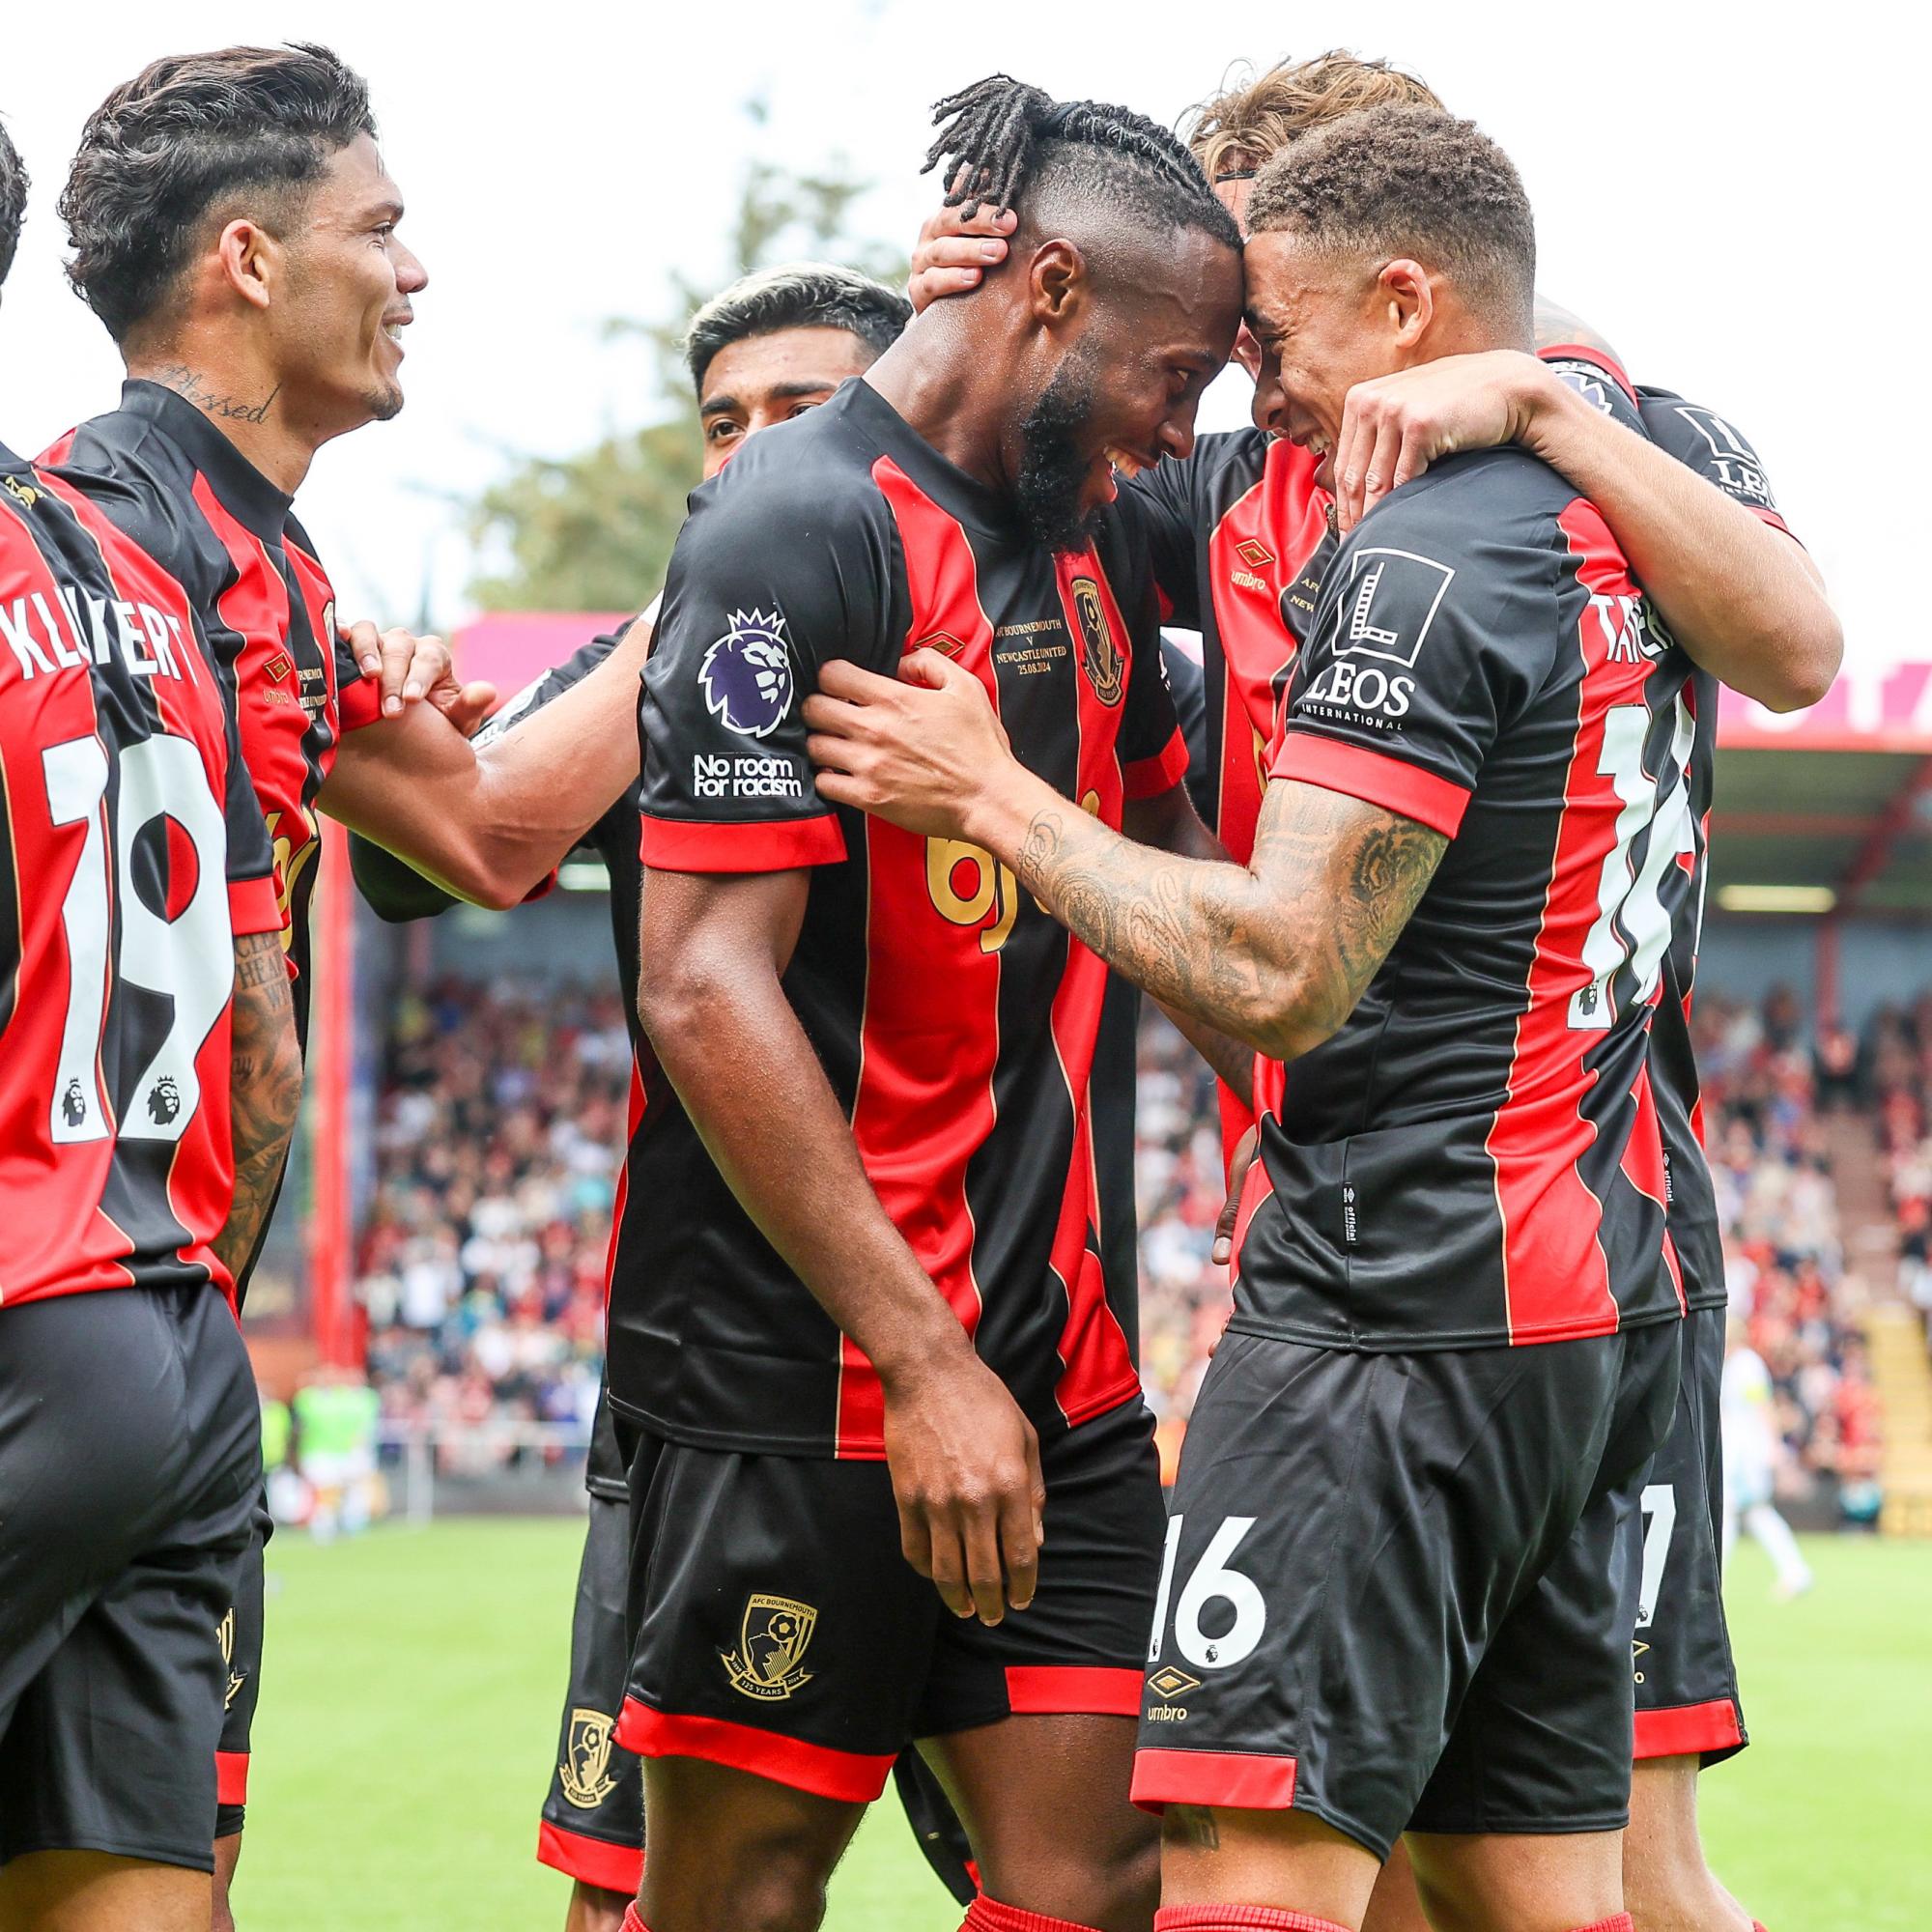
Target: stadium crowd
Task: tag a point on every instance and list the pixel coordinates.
(481, 1263)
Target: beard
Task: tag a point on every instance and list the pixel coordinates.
(1053, 466)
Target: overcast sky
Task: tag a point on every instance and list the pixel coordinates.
(1739, 208)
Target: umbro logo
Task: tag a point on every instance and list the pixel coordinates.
(279, 667)
(1170, 1683)
(1254, 554)
(941, 641)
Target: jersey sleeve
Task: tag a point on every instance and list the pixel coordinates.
(1424, 642)
(1714, 449)
(359, 697)
(777, 573)
(1157, 510)
(394, 889)
(254, 905)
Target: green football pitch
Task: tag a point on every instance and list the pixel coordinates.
(414, 1678)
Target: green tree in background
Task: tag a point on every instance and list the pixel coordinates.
(594, 531)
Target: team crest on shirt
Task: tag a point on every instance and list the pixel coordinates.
(585, 1770)
(771, 1641)
(747, 674)
(1099, 655)
(24, 494)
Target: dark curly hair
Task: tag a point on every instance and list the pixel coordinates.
(1005, 140)
(188, 137)
(1409, 181)
(12, 199)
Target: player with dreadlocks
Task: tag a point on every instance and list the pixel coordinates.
(1746, 604)
(872, 1345)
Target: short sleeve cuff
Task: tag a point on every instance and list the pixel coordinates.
(749, 845)
(359, 702)
(253, 906)
(1373, 776)
(1148, 778)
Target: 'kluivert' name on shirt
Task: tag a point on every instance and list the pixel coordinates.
(147, 639)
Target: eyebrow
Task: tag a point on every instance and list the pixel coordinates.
(778, 392)
(390, 210)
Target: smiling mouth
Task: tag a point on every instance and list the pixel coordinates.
(1124, 463)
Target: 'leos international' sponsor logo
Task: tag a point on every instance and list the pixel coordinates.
(747, 675)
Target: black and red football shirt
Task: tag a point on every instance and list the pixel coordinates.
(195, 503)
(955, 1018)
(134, 853)
(1475, 1157)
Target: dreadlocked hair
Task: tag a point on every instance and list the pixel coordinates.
(1002, 136)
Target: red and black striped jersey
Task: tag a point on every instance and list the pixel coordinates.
(1704, 441)
(1475, 1157)
(193, 500)
(134, 853)
(956, 1019)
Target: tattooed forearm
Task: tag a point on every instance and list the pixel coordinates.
(192, 388)
(1275, 954)
(265, 1088)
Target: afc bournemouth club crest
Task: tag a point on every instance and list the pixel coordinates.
(585, 1770)
(225, 1635)
(1099, 653)
(771, 1641)
(747, 675)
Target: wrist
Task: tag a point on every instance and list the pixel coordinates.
(997, 816)
(1546, 409)
(937, 1348)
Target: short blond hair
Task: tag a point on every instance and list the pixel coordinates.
(1251, 120)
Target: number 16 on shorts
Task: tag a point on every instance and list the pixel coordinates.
(1214, 1594)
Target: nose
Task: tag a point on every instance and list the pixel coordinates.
(1177, 437)
(411, 278)
(1270, 403)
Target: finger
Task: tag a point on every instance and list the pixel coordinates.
(915, 1539)
(1352, 447)
(836, 717)
(365, 642)
(465, 706)
(834, 758)
(841, 678)
(1019, 1548)
(836, 787)
(933, 669)
(985, 1576)
(931, 285)
(948, 1567)
(1035, 1487)
(1377, 477)
(1223, 1249)
(1416, 456)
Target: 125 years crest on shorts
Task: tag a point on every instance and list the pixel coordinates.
(771, 1641)
(585, 1770)
(1099, 655)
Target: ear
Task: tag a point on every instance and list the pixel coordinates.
(251, 261)
(1405, 296)
(1057, 284)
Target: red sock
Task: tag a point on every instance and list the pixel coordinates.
(631, 1922)
(988, 1914)
(1239, 1918)
(1622, 1922)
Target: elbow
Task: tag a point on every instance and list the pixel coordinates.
(1815, 663)
(674, 993)
(1290, 1013)
(474, 872)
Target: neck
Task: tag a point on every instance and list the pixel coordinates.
(244, 403)
(935, 377)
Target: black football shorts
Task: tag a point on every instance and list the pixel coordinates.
(130, 1459)
(777, 1628)
(593, 1817)
(1686, 1684)
(1399, 1589)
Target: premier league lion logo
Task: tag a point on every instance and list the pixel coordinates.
(747, 675)
(164, 1101)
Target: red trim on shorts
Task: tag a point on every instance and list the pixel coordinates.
(1688, 1730)
(745, 845)
(1062, 1690)
(592, 1860)
(1246, 1780)
(852, 1777)
(1373, 776)
(1148, 778)
(231, 1777)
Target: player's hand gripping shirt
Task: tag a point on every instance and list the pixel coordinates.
(193, 500)
(1474, 1158)
(955, 1020)
(134, 854)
